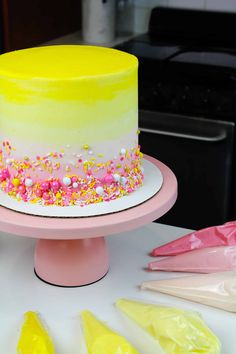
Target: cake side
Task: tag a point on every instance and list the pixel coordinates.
(69, 126)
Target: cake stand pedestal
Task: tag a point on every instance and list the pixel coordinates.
(72, 251)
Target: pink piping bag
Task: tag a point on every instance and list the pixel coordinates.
(216, 290)
(206, 260)
(222, 235)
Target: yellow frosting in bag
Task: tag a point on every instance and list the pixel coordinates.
(34, 339)
(102, 340)
(178, 331)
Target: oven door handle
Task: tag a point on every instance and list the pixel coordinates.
(221, 136)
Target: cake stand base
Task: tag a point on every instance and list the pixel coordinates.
(71, 263)
(72, 251)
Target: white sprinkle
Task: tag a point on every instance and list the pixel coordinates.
(116, 177)
(9, 161)
(123, 180)
(28, 182)
(90, 152)
(66, 181)
(141, 169)
(75, 185)
(122, 151)
(99, 190)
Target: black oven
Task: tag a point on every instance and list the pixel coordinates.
(187, 109)
(200, 153)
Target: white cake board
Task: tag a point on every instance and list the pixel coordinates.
(153, 181)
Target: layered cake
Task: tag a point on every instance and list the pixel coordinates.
(69, 125)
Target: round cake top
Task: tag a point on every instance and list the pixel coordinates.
(65, 62)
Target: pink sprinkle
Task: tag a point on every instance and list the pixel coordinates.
(46, 196)
(74, 179)
(38, 193)
(108, 179)
(24, 197)
(10, 186)
(21, 189)
(2, 178)
(5, 173)
(45, 186)
(55, 185)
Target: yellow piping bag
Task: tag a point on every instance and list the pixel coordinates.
(178, 331)
(34, 338)
(102, 340)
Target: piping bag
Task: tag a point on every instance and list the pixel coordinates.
(222, 235)
(216, 289)
(177, 330)
(145, 343)
(100, 339)
(34, 338)
(206, 260)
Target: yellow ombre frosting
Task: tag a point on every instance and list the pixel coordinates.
(86, 92)
(57, 100)
(102, 340)
(34, 338)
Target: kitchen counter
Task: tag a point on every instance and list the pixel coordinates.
(59, 308)
(76, 38)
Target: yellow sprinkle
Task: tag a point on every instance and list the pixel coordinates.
(86, 147)
(100, 155)
(58, 195)
(16, 182)
(34, 201)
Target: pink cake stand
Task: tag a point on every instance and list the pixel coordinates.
(72, 251)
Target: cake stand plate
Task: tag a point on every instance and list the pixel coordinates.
(72, 251)
(152, 184)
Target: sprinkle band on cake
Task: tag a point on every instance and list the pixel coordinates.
(78, 185)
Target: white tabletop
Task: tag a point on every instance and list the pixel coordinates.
(22, 291)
